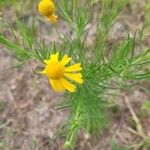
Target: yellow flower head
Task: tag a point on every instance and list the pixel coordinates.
(47, 9)
(59, 75)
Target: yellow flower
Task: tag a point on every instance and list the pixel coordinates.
(59, 74)
(47, 9)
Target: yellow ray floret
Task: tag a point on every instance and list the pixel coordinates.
(47, 10)
(59, 75)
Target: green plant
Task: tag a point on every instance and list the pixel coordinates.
(105, 68)
(145, 108)
(117, 147)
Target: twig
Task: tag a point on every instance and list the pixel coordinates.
(135, 118)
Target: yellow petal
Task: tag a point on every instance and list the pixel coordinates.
(52, 18)
(74, 68)
(67, 85)
(76, 77)
(65, 60)
(57, 86)
(54, 57)
(43, 71)
(46, 61)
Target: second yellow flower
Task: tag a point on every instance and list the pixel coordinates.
(47, 10)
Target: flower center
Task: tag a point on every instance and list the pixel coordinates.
(46, 8)
(55, 70)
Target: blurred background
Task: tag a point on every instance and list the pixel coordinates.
(28, 119)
